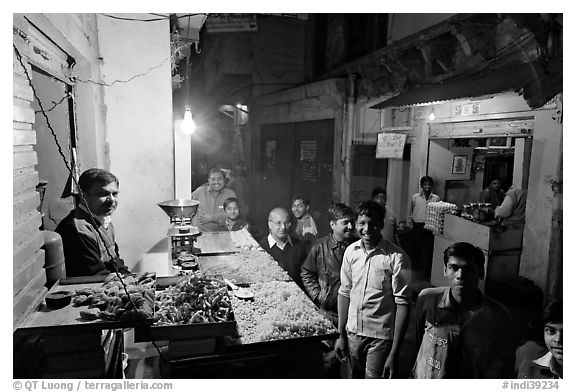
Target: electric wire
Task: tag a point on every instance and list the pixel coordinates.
(152, 19)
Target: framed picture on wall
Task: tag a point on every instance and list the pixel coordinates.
(459, 164)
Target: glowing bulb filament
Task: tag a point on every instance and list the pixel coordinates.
(188, 126)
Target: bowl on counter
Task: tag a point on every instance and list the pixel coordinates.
(58, 299)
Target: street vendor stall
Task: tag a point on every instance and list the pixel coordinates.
(184, 301)
(277, 333)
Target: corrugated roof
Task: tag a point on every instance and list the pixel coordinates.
(526, 76)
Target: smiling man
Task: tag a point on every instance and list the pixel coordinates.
(461, 332)
(211, 196)
(373, 300)
(288, 252)
(321, 269)
(87, 233)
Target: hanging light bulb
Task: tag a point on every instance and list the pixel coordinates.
(188, 126)
(432, 115)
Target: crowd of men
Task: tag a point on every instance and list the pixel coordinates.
(359, 279)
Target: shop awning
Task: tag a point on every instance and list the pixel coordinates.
(537, 86)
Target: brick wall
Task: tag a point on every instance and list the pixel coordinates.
(28, 273)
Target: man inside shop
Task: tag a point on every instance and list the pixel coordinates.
(513, 208)
(288, 252)
(87, 233)
(461, 332)
(493, 194)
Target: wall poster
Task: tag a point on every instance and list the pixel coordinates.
(390, 145)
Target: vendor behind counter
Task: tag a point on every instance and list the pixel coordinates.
(513, 208)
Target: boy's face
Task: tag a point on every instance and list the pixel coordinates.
(216, 182)
(369, 230)
(427, 186)
(299, 208)
(380, 198)
(553, 338)
(342, 229)
(232, 210)
(463, 276)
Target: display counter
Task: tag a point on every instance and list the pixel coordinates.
(502, 247)
(278, 334)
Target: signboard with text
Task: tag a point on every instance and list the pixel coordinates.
(390, 145)
(226, 23)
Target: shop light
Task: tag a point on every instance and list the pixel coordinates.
(188, 126)
(432, 115)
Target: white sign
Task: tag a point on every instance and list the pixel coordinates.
(390, 145)
(226, 23)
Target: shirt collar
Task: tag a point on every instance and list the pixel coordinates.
(104, 221)
(447, 302)
(335, 244)
(272, 242)
(380, 247)
(547, 361)
(421, 194)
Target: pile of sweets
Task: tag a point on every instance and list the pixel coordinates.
(243, 239)
(280, 310)
(251, 266)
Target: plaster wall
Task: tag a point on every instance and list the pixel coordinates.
(77, 34)
(139, 126)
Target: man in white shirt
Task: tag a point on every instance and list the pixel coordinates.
(423, 239)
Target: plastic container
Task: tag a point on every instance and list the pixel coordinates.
(54, 273)
(54, 257)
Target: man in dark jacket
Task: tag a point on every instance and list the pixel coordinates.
(321, 269)
(288, 252)
(87, 233)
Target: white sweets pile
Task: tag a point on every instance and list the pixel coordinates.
(280, 310)
(435, 215)
(242, 239)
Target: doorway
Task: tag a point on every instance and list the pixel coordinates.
(296, 159)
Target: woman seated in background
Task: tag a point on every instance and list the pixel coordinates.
(232, 222)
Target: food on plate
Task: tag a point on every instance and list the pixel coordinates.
(280, 310)
(193, 300)
(111, 302)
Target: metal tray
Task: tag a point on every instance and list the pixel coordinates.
(237, 344)
(185, 332)
(68, 317)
